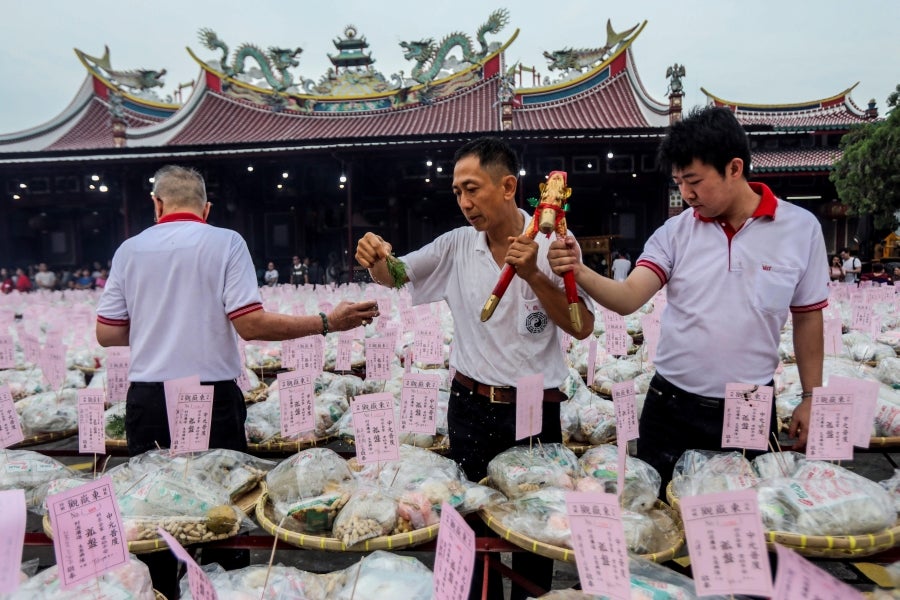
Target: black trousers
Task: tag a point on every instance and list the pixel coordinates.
(147, 425)
(674, 420)
(478, 432)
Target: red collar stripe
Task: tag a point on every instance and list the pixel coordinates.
(181, 216)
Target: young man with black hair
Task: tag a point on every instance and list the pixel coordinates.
(735, 265)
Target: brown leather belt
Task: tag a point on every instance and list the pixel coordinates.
(501, 394)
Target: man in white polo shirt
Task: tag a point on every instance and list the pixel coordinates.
(735, 266)
(523, 336)
(180, 293)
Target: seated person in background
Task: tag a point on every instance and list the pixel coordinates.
(877, 275)
(836, 271)
(271, 275)
(44, 278)
(23, 282)
(84, 281)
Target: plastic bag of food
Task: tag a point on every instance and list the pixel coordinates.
(520, 469)
(382, 575)
(778, 464)
(370, 513)
(220, 521)
(843, 504)
(27, 470)
(48, 412)
(281, 582)
(892, 485)
(114, 421)
(706, 472)
(310, 488)
(130, 581)
(642, 481)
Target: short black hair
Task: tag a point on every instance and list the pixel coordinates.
(711, 134)
(491, 152)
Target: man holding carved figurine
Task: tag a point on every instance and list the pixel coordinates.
(523, 336)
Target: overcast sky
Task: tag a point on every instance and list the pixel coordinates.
(754, 51)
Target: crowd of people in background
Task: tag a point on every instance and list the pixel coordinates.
(847, 267)
(40, 277)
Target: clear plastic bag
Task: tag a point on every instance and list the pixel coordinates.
(370, 513)
(706, 472)
(520, 469)
(642, 482)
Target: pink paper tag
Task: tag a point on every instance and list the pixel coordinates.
(799, 578)
(565, 340)
(88, 535)
(726, 544)
(862, 317)
(193, 416)
(296, 397)
(344, 359)
(865, 402)
(650, 326)
(172, 388)
(312, 354)
(616, 333)
(748, 412)
(7, 352)
(834, 342)
(454, 556)
(118, 361)
(10, 425)
(200, 585)
(53, 363)
(626, 411)
(407, 359)
(290, 355)
(243, 380)
(529, 405)
(592, 360)
(598, 539)
(418, 403)
(31, 348)
(428, 344)
(408, 318)
(12, 538)
(830, 425)
(379, 353)
(91, 424)
(374, 428)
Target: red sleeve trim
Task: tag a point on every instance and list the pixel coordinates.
(113, 322)
(655, 268)
(245, 310)
(810, 307)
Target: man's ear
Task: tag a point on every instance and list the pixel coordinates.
(736, 167)
(509, 186)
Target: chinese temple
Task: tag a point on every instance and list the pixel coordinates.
(304, 167)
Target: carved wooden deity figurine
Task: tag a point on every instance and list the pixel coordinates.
(549, 216)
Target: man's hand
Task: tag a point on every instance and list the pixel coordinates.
(522, 255)
(564, 255)
(370, 249)
(350, 315)
(800, 424)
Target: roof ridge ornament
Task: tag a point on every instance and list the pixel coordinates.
(431, 59)
(141, 80)
(276, 59)
(573, 62)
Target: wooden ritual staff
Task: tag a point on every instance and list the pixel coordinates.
(549, 216)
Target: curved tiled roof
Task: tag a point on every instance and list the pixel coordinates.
(93, 128)
(836, 112)
(220, 119)
(609, 105)
(796, 160)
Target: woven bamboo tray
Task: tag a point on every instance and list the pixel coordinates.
(277, 444)
(43, 438)
(245, 503)
(257, 394)
(567, 554)
(116, 444)
(440, 446)
(823, 546)
(159, 596)
(266, 519)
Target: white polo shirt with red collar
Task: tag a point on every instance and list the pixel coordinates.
(519, 339)
(177, 285)
(729, 292)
